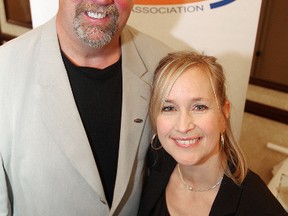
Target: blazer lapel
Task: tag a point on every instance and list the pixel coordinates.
(59, 111)
(134, 113)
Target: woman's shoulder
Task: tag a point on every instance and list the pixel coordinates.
(250, 198)
(253, 178)
(257, 196)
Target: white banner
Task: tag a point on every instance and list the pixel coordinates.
(224, 28)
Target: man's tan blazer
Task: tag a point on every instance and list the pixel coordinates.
(46, 164)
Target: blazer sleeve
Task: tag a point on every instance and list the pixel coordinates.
(5, 206)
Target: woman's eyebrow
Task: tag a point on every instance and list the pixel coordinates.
(197, 99)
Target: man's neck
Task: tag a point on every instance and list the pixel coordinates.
(83, 55)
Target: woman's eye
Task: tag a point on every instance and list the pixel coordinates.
(200, 107)
(167, 108)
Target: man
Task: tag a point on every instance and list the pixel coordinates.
(73, 113)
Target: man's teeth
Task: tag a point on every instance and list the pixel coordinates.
(96, 15)
(187, 142)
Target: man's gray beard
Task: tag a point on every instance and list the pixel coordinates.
(86, 32)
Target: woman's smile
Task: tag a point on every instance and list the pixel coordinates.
(187, 142)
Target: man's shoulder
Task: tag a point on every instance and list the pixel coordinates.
(140, 37)
(143, 50)
(27, 40)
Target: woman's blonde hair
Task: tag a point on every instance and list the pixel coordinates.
(168, 71)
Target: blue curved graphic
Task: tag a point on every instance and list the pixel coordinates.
(220, 3)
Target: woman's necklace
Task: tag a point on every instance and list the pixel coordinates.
(196, 190)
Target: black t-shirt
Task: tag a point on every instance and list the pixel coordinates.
(98, 96)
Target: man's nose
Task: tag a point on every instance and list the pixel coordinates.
(103, 2)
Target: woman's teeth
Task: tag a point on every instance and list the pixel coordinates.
(187, 142)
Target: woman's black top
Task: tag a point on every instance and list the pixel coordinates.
(252, 198)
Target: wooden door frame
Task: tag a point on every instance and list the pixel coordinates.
(259, 45)
(263, 110)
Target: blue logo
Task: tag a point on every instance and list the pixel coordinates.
(220, 3)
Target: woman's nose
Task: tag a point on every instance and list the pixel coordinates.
(185, 122)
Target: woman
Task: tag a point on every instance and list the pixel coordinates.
(195, 165)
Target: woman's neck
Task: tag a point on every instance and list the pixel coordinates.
(201, 176)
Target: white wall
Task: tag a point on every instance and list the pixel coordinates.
(42, 10)
(228, 32)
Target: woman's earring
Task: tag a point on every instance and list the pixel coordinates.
(153, 143)
(222, 140)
